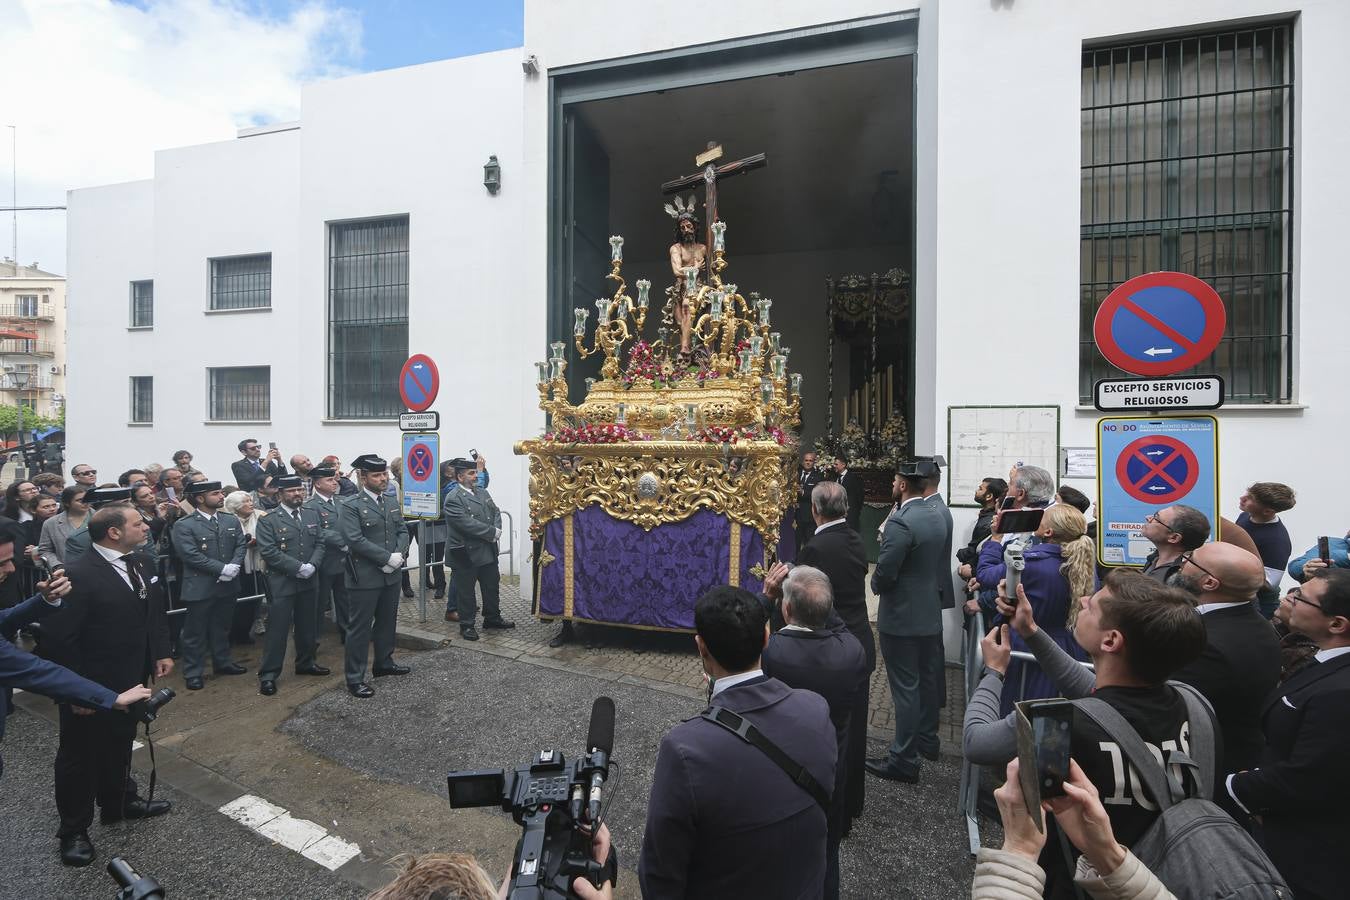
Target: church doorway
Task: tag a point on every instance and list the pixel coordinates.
(826, 225)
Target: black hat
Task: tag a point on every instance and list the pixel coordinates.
(202, 487)
(97, 497)
(322, 472)
(369, 462)
(459, 464)
(281, 482)
(922, 467)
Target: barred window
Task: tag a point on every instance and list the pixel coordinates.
(242, 282)
(1187, 166)
(142, 399)
(142, 304)
(241, 394)
(368, 317)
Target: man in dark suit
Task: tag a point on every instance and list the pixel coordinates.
(251, 471)
(1241, 662)
(113, 631)
(1300, 791)
(837, 550)
(473, 526)
(909, 617)
(724, 820)
(852, 484)
(808, 476)
(809, 654)
(211, 545)
(291, 542)
(39, 676)
(372, 526)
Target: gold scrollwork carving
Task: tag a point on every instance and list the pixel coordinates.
(545, 558)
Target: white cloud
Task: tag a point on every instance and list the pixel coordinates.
(95, 87)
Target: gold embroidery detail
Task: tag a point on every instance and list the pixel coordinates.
(568, 597)
(758, 571)
(545, 558)
(734, 556)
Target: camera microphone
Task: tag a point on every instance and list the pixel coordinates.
(599, 745)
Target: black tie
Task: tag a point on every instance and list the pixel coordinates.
(136, 584)
(296, 513)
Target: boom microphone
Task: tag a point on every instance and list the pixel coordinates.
(599, 745)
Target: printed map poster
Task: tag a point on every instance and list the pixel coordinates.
(987, 441)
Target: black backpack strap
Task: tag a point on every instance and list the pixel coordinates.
(1200, 715)
(746, 731)
(1161, 786)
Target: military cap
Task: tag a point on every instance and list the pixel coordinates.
(369, 462)
(281, 482)
(322, 472)
(459, 464)
(921, 467)
(202, 487)
(97, 497)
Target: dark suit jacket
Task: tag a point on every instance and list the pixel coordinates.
(27, 672)
(906, 577)
(1300, 789)
(838, 552)
(852, 484)
(250, 478)
(724, 821)
(105, 630)
(1236, 673)
(831, 663)
(805, 523)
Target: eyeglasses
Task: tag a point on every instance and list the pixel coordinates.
(1296, 595)
(85, 472)
(1190, 558)
(1154, 517)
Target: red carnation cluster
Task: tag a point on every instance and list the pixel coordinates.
(602, 433)
(725, 434)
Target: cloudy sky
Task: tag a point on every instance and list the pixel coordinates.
(96, 86)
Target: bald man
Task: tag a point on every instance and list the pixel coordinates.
(1241, 662)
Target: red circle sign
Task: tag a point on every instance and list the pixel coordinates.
(1157, 469)
(1159, 324)
(418, 382)
(420, 462)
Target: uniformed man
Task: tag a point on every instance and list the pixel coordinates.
(78, 542)
(290, 540)
(332, 587)
(372, 525)
(211, 545)
(474, 525)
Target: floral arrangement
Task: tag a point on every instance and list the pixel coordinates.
(726, 434)
(645, 365)
(598, 433)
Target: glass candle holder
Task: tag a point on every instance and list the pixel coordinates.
(621, 414)
(557, 347)
(730, 291)
(785, 351)
(555, 369)
(764, 311)
(590, 383)
(779, 364)
(644, 288)
(543, 372)
(690, 414)
(795, 382)
(579, 326)
(602, 312)
(765, 391)
(716, 305)
(662, 333)
(745, 362)
(775, 341)
(719, 230)
(690, 279)
(756, 346)
(616, 248)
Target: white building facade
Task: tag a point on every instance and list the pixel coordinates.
(290, 264)
(33, 345)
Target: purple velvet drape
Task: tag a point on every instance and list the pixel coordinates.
(626, 575)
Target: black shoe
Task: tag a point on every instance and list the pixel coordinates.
(135, 809)
(498, 622)
(932, 756)
(231, 669)
(314, 670)
(438, 594)
(361, 690)
(408, 593)
(469, 633)
(194, 684)
(565, 635)
(267, 688)
(882, 769)
(76, 850)
(392, 669)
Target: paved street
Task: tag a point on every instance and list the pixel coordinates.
(331, 772)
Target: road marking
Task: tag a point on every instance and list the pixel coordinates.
(309, 839)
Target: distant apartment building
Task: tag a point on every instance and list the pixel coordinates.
(32, 337)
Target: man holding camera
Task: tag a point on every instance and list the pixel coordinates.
(251, 471)
(211, 545)
(114, 632)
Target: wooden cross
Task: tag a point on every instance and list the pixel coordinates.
(709, 175)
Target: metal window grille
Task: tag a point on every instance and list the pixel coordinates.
(1188, 166)
(368, 317)
(142, 398)
(142, 304)
(242, 394)
(242, 282)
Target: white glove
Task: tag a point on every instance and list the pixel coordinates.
(306, 570)
(395, 561)
(230, 570)
(498, 535)
(387, 569)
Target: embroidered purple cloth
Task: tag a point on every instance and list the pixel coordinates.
(628, 576)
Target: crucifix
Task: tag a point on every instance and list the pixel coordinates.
(709, 175)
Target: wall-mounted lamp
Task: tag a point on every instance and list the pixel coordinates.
(492, 175)
(530, 65)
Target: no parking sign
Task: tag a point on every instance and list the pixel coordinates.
(1146, 465)
(422, 475)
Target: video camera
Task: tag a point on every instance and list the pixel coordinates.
(133, 885)
(147, 710)
(559, 808)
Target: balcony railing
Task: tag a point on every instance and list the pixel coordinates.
(31, 348)
(40, 313)
(35, 383)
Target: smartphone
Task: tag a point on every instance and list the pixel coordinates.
(271, 445)
(1052, 734)
(1007, 503)
(473, 454)
(1017, 521)
(170, 493)
(1324, 549)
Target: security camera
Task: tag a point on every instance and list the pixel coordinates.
(530, 65)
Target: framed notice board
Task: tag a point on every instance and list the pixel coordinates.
(987, 441)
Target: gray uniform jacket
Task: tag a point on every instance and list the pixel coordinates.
(205, 547)
(472, 522)
(372, 535)
(286, 545)
(945, 588)
(331, 530)
(906, 577)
